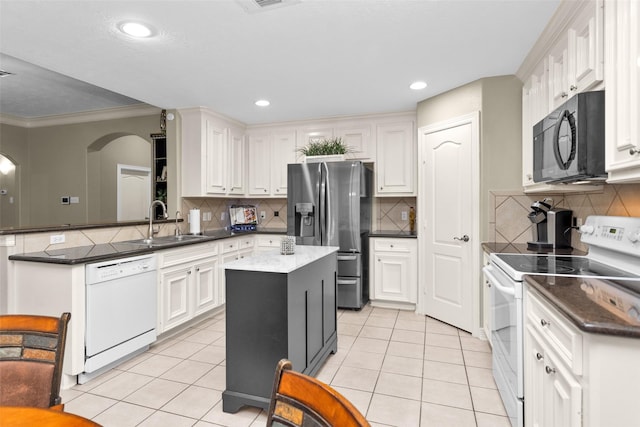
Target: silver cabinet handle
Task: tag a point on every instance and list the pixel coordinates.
(550, 370)
(464, 238)
(573, 87)
(544, 322)
(633, 151)
(539, 356)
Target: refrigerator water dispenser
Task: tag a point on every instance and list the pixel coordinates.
(304, 220)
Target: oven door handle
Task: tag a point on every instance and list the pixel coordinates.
(496, 282)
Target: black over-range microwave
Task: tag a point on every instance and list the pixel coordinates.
(568, 144)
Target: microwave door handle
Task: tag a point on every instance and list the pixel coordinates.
(566, 115)
(496, 283)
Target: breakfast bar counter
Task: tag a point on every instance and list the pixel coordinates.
(277, 306)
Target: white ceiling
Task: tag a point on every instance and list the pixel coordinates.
(310, 58)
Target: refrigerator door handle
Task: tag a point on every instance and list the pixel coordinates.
(324, 193)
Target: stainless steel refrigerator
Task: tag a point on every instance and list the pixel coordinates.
(329, 204)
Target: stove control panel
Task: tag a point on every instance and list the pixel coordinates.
(619, 233)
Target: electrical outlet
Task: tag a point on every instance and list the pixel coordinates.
(206, 216)
(263, 214)
(404, 215)
(55, 239)
(276, 213)
(223, 215)
(578, 222)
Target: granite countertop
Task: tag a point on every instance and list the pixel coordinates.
(521, 248)
(393, 233)
(106, 251)
(566, 294)
(273, 262)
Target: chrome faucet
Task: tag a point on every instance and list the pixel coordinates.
(177, 227)
(164, 215)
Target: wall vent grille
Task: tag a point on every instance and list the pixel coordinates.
(4, 73)
(266, 3)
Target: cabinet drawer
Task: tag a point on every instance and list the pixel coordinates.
(246, 242)
(393, 245)
(170, 257)
(269, 241)
(563, 337)
(229, 245)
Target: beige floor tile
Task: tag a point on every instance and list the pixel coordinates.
(89, 405)
(411, 316)
(244, 417)
(437, 327)
(165, 419)
(122, 385)
(406, 349)
(215, 379)
(475, 344)
(376, 332)
(204, 336)
(393, 411)
(365, 360)
(477, 358)
(70, 394)
(93, 383)
(487, 400)
(389, 313)
(194, 402)
(155, 366)
(356, 378)
(360, 399)
(443, 354)
(123, 414)
(490, 420)
(480, 377)
(381, 321)
(345, 342)
(327, 372)
(411, 325)
(210, 354)
(187, 371)
(163, 344)
(349, 329)
(353, 317)
(398, 385)
(125, 366)
(182, 349)
(446, 416)
(445, 372)
(370, 345)
(442, 340)
(402, 365)
(156, 394)
(444, 393)
(413, 337)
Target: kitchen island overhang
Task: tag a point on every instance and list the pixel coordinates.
(277, 306)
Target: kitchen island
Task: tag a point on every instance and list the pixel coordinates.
(278, 306)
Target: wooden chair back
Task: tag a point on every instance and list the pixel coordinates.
(300, 400)
(31, 355)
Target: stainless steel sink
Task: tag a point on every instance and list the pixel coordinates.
(165, 240)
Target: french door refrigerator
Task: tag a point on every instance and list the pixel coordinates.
(329, 204)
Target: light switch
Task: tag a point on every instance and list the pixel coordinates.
(74, 199)
(404, 215)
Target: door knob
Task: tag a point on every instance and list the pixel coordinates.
(464, 238)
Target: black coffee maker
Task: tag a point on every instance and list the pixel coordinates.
(551, 226)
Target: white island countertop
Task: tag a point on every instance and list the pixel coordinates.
(273, 262)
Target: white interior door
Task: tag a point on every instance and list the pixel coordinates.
(134, 192)
(448, 236)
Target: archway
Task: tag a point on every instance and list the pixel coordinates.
(9, 190)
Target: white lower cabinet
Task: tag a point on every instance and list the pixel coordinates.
(232, 249)
(393, 267)
(187, 283)
(575, 378)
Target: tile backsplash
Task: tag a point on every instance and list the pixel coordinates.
(508, 210)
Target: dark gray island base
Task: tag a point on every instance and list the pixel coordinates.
(288, 312)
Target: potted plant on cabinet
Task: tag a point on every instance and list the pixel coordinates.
(325, 150)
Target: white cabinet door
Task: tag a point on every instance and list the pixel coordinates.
(394, 270)
(237, 160)
(534, 377)
(259, 148)
(395, 159)
(216, 161)
(359, 138)
(311, 134)
(622, 103)
(586, 44)
(175, 295)
(559, 73)
(283, 152)
(205, 285)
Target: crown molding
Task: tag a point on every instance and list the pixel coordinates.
(84, 117)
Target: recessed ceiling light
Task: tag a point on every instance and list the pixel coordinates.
(418, 85)
(262, 103)
(136, 29)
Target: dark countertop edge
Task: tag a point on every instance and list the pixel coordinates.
(608, 325)
(69, 227)
(134, 249)
(393, 234)
(521, 248)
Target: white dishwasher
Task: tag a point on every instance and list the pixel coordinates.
(121, 304)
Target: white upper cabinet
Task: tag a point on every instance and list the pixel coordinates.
(559, 73)
(395, 168)
(313, 133)
(358, 137)
(622, 100)
(269, 154)
(212, 154)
